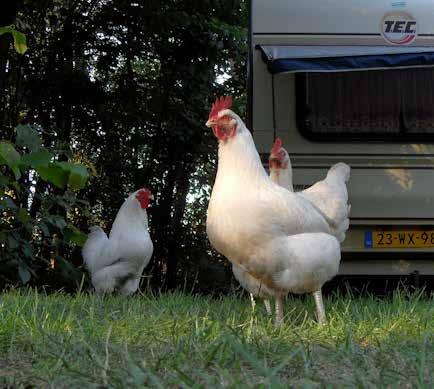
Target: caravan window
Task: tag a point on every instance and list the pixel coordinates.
(380, 104)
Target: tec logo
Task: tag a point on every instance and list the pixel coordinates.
(399, 28)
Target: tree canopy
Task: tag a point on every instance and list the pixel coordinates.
(123, 88)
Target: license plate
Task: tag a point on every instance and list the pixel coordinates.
(399, 239)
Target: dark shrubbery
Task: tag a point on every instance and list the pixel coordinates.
(124, 88)
(37, 232)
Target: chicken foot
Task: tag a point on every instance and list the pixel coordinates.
(320, 311)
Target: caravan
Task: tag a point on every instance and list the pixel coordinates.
(353, 81)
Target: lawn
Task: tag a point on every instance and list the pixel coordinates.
(178, 340)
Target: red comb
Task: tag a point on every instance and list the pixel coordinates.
(220, 104)
(277, 146)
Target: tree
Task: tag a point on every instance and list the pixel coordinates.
(125, 88)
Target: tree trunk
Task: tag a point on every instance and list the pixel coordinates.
(5, 40)
(161, 216)
(175, 230)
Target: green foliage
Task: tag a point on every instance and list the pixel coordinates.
(125, 88)
(32, 243)
(19, 38)
(10, 157)
(28, 137)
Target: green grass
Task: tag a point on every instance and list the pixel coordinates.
(178, 340)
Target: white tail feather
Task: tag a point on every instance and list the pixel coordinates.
(93, 249)
(341, 170)
(330, 197)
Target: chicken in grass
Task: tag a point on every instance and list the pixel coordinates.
(279, 238)
(329, 195)
(116, 262)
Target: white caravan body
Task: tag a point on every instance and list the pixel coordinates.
(353, 81)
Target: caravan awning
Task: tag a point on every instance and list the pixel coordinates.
(283, 59)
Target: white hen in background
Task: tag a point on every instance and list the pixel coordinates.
(329, 195)
(280, 166)
(278, 237)
(116, 262)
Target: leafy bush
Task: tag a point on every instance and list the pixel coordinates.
(18, 37)
(38, 206)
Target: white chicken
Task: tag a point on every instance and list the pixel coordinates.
(280, 166)
(329, 195)
(116, 262)
(279, 238)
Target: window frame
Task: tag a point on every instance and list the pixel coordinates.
(300, 91)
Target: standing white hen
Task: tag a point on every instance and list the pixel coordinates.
(329, 195)
(280, 238)
(116, 262)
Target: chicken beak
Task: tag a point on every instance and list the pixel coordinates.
(151, 196)
(210, 123)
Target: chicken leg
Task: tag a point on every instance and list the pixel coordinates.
(320, 311)
(266, 303)
(267, 306)
(279, 310)
(252, 300)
